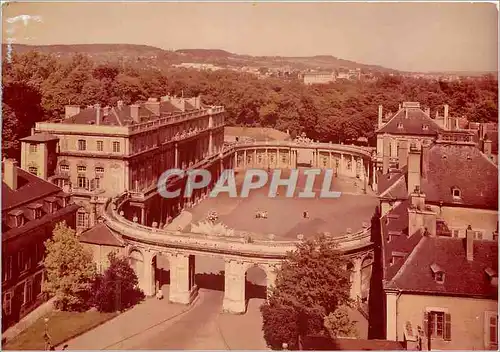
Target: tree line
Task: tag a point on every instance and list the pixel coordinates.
(37, 86)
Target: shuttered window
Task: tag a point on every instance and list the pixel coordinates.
(437, 325)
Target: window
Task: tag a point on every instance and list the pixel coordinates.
(100, 146)
(7, 268)
(425, 127)
(64, 168)
(478, 235)
(82, 144)
(24, 260)
(29, 291)
(456, 233)
(99, 170)
(81, 219)
(33, 170)
(81, 168)
(116, 147)
(492, 329)
(33, 148)
(456, 193)
(400, 126)
(7, 303)
(40, 252)
(437, 324)
(82, 182)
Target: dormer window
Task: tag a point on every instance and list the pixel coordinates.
(400, 125)
(425, 127)
(456, 193)
(36, 210)
(16, 218)
(437, 273)
(50, 204)
(64, 168)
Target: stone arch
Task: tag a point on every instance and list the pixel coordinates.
(136, 260)
(256, 281)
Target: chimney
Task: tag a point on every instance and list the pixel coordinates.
(71, 110)
(154, 106)
(10, 173)
(413, 169)
(386, 157)
(134, 113)
(428, 112)
(402, 154)
(380, 115)
(469, 243)
(198, 102)
(98, 116)
(119, 104)
(446, 109)
(456, 123)
(487, 148)
(426, 146)
(105, 111)
(399, 108)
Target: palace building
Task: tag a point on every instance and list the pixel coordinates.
(31, 207)
(439, 244)
(100, 152)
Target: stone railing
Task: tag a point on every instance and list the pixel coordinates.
(173, 117)
(366, 151)
(239, 245)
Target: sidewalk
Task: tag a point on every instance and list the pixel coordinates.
(140, 318)
(29, 319)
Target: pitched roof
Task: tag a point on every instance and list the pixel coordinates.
(412, 120)
(101, 235)
(464, 167)
(40, 137)
(462, 277)
(395, 239)
(393, 184)
(29, 189)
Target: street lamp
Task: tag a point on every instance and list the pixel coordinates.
(46, 336)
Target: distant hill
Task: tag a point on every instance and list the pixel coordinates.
(156, 57)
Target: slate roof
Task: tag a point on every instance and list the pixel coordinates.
(411, 124)
(101, 235)
(40, 138)
(462, 277)
(121, 116)
(29, 189)
(393, 184)
(465, 167)
(395, 225)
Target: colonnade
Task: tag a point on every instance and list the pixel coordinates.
(183, 289)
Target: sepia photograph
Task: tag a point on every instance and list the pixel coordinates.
(241, 175)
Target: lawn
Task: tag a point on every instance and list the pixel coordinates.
(62, 326)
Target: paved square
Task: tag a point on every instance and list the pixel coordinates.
(285, 215)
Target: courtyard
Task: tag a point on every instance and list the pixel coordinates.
(285, 215)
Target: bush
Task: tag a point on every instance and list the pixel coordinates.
(117, 289)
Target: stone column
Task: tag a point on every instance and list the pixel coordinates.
(147, 282)
(235, 160)
(330, 160)
(245, 159)
(271, 278)
(278, 157)
(290, 163)
(341, 165)
(210, 143)
(182, 289)
(356, 280)
(143, 216)
(354, 166)
(176, 156)
(234, 287)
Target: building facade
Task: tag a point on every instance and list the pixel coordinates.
(31, 207)
(439, 239)
(318, 77)
(100, 152)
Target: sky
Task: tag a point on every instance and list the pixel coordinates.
(404, 36)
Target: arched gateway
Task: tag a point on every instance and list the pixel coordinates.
(146, 244)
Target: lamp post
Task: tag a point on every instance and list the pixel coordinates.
(46, 336)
